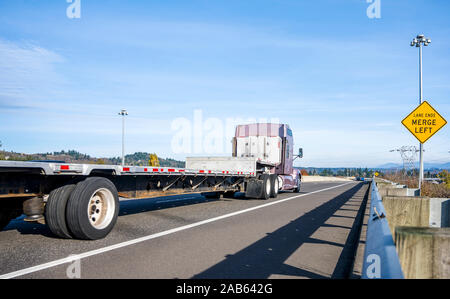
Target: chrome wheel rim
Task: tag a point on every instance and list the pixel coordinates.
(268, 187)
(276, 187)
(101, 208)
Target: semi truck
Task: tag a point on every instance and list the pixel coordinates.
(81, 201)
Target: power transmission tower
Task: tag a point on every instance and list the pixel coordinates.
(409, 156)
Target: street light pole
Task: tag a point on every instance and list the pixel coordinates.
(421, 101)
(419, 42)
(123, 113)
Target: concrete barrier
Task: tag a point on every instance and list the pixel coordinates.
(420, 229)
(407, 211)
(398, 190)
(423, 252)
(439, 212)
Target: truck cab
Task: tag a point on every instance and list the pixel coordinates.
(272, 145)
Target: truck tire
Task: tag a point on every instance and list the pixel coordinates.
(297, 189)
(92, 209)
(274, 185)
(266, 186)
(55, 211)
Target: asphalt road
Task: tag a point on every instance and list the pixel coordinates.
(311, 234)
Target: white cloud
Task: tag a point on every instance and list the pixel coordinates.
(27, 71)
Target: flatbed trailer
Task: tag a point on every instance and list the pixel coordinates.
(26, 179)
(82, 200)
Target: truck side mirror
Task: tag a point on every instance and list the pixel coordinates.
(300, 153)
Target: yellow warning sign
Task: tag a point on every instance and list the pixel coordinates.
(424, 122)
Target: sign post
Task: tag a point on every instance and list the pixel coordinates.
(418, 42)
(423, 123)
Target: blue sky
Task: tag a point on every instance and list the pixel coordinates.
(341, 80)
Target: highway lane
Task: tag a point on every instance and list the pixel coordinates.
(304, 236)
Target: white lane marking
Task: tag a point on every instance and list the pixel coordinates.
(149, 237)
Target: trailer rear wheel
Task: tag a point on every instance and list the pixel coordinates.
(55, 211)
(274, 185)
(93, 208)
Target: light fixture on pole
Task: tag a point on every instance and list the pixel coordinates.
(123, 113)
(419, 42)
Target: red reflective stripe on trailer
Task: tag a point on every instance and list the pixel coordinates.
(171, 170)
(145, 169)
(126, 169)
(64, 167)
(155, 170)
(209, 171)
(181, 170)
(201, 171)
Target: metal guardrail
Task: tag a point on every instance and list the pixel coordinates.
(380, 255)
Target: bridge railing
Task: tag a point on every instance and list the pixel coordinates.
(380, 255)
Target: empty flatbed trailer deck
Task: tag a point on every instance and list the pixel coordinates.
(82, 200)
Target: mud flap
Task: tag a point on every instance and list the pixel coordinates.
(254, 188)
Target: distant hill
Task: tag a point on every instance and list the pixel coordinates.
(390, 166)
(425, 165)
(72, 156)
(445, 166)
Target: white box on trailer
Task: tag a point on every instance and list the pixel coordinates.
(263, 148)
